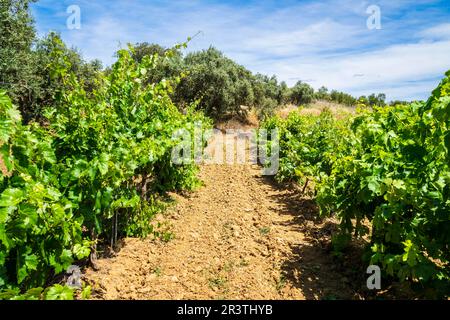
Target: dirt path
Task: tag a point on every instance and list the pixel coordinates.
(238, 237)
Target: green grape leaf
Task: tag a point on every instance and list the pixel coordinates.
(11, 197)
(59, 292)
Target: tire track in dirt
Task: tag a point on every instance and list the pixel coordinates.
(237, 237)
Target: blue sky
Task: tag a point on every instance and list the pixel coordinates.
(320, 42)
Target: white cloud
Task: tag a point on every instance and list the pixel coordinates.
(302, 40)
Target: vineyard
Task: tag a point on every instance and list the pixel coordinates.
(88, 173)
(384, 172)
(88, 180)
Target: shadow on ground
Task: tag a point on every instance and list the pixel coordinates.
(312, 267)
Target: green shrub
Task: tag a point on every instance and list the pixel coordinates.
(25, 60)
(218, 84)
(389, 166)
(397, 176)
(79, 175)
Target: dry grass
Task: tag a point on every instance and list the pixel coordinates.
(251, 121)
(316, 108)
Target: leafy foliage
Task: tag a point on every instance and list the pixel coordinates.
(342, 98)
(374, 100)
(25, 60)
(308, 144)
(388, 166)
(101, 157)
(218, 84)
(302, 93)
(169, 69)
(265, 87)
(17, 36)
(54, 292)
(269, 94)
(397, 176)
